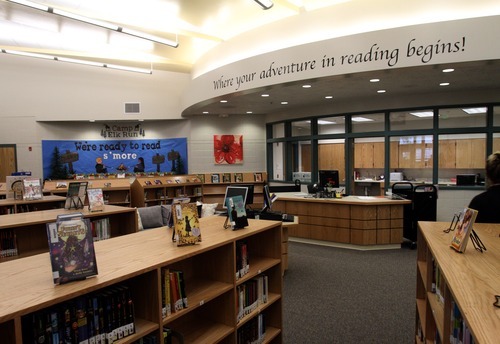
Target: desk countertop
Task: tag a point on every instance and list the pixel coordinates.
(353, 200)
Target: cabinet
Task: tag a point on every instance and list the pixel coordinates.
(415, 155)
(136, 261)
(332, 157)
(447, 152)
(213, 192)
(148, 191)
(469, 280)
(11, 206)
(27, 231)
(116, 191)
(369, 155)
(471, 153)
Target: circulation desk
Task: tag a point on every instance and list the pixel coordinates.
(353, 220)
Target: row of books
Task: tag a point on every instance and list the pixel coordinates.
(242, 260)
(102, 317)
(459, 331)
(438, 283)
(173, 290)
(251, 295)
(227, 178)
(8, 243)
(101, 229)
(253, 331)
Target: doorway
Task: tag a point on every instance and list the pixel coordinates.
(8, 161)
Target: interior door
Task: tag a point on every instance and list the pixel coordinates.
(8, 163)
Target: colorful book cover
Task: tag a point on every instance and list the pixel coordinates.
(96, 199)
(32, 189)
(71, 248)
(186, 224)
(236, 212)
(463, 230)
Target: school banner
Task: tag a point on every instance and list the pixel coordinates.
(114, 156)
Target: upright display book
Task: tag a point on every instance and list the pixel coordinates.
(32, 189)
(75, 197)
(96, 199)
(464, 228)
(71, 248)
(236, 212)
(186, 224)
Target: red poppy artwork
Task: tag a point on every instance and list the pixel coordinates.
(228, 149)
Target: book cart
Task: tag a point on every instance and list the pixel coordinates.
(452, 285)
(11, 206)
(116, 191)
(28, 234)
(215, 184)
(158, 190)
(137, 260)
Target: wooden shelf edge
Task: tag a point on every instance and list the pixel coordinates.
(142, 328)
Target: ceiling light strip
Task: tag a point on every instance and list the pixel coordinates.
(96, 22)
(82, 62)
(265, 4)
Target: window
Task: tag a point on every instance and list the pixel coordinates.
(278, 130)
(301, 128)
(408, 120)
(412, 155)
(465, 117)
(331, 156)
(279, 161)
(331, 125)
(368, 122)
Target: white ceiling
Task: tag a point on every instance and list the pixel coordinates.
(198, 26)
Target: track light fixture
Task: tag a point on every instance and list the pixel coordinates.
(83, 62)
(265, 4)
(96, 22)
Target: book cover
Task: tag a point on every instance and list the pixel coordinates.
(236, 212)
(32, 189)
(96, 199)
(226, 177)
(71, 248)
(238, 177)
(463, 230)
(186, 224)
(75, 197)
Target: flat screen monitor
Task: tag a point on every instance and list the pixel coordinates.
(232, 191)
(249, 193)
(329, 176)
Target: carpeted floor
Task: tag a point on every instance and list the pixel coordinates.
(337, 295)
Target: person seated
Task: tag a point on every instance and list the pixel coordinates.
(486, 203)
(140, 166)
(99, 166)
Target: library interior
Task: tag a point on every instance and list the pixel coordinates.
(249, 171)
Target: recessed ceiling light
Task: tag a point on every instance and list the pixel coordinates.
(444, 84)
(422, 114)
(448, 70)
(473, 111)
(264, 95)
(374, 80)
(223, 101)
(361, 119)
(141, 120)
(328, 97)
(205, 112)
(249, 112)
(306, 86)
(92, 120)
(284, 103)
(381, 91)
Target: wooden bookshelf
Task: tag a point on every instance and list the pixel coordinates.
(11, 206)
(149, 191)
(116, 191)
(470, 279)
(136, 261)
(3, 191)
(29, 229)
(214, 192)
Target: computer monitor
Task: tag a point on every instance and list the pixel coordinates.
(232, 191)
(250, 193)
(329, 176)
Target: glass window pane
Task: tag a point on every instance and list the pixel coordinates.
(331, 125)
(365, 123)
(279, 161)
(300, 128)
(461, 154)
(462, 117)
(278, 130)
(412, 156)
(331, 156)
(496, 142)
(496, 116)
(369, 161)
(407, 120)
(301, 156)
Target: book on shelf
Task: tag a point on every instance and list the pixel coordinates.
(464, 228)
(251, 295)
(258, 177)
(238, 177)
(8, 243)
(158, 182)
(215, 178)
(32, 189)
(96, 199)
(75, 197)
(226, 177)
(186, 224)
(236, 212)
(176, 287)
(165, 293)
(101, 229)
(242, 261)
(71, 248)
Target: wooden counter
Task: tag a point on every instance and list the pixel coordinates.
(351, 220)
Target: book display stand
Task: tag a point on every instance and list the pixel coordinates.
(75, 198)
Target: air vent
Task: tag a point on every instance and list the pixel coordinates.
(132, 108)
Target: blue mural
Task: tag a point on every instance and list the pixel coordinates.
(117, 156)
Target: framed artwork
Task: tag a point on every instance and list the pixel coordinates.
(226, 177)
(215, 178)
(258, 177)
(228, 149)
(238, 177)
